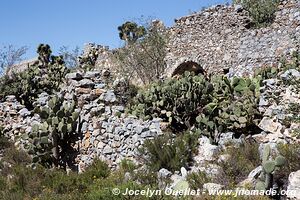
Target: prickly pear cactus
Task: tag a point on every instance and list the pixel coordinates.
(266, 180)
(52, 137)
(175, 101)
(234, 106)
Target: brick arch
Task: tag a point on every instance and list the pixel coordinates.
(188, 66)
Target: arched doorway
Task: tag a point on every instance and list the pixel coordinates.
(188, 66)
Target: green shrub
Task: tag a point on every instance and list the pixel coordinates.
(241, 162)
(169, 152)
(292, 154)
(146, 177)
(16, 157)
(197, 180)
(262, 12)
(58, 182)
(131, 32)
(127, 165)
(98, 169)
(142, 59)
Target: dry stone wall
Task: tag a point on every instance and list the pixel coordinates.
(106, 132)
(220, 37)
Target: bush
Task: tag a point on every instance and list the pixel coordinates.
(261, 11)
(127, 166)
(241, 162)
(292, 154)
(197, 180)
(142, 59)
(16, 157)
(98, 169)
(169, 152)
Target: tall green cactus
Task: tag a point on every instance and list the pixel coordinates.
(266, 178)
(51, 139)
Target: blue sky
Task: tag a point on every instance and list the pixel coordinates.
(75, 22)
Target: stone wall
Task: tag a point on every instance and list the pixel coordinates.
(106, 132)
(104, 54)
(220, 37)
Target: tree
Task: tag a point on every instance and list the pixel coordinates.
(10, 55)
(70, 56)
(144, 59)
(131, 32)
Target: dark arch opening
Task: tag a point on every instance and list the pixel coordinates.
(188, 66)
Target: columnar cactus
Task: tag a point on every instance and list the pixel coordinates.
(52, 138)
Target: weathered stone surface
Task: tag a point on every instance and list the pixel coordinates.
(92, 74)
(206, 151)
(212, 186)
(220, 36)
(293, 188)
(86, 83)
(291, 74)
(74, 76)
(269, 125)
(24, 112)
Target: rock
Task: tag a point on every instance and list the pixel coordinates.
(83, 90)
(24, 112)
(291, 73)
(293, 189)
(255, 173)
(85, 83)
(74, 76)
(127, 177)
(270, 82)
(91, 74)
(183, 172)
(105, 73)
(164, 173)
(263, 102)
(98, 91)
(206, 151)
(107, 150)
(99, 85)
(109, 96)
(267, 124)
(43, 98)
(212, 186)
(228, 139)
(238, 8)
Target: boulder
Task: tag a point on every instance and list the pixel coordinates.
(293, 189)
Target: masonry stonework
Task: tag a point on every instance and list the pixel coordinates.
(221, 37)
